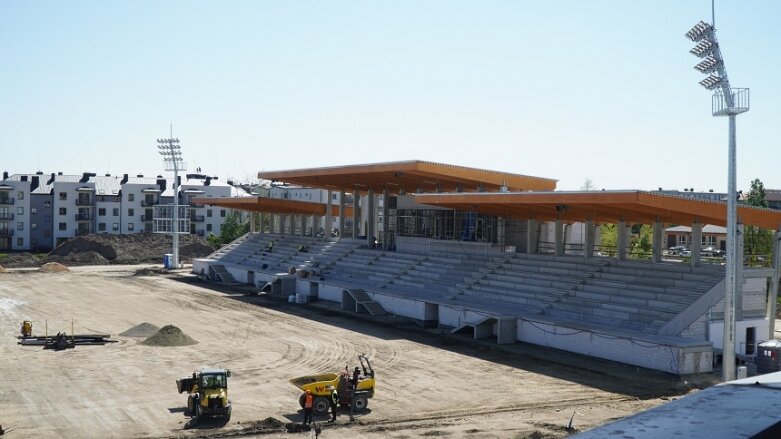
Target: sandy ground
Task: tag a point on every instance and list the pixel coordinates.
(428, 384)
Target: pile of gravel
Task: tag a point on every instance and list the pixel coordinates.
(21, 260)
(169, 335)
(141, 330)
(137, 248)
(53, 267)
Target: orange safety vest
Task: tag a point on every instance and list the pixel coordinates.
(308, 399)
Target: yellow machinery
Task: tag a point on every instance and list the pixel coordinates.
(321, 385)
(208, 393)
(27, 328)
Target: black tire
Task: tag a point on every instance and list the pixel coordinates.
(198, 409)
(227, 416)
(320, 405)
(360, 403)
(190, 405)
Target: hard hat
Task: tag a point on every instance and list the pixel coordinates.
(308, 391)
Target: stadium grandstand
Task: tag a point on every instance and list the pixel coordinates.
(502, 256)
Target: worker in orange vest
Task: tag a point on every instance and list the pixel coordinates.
(308, 403)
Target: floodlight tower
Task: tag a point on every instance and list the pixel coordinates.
(172, 156)
(726, 101)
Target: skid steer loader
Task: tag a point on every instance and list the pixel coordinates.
(207, 393)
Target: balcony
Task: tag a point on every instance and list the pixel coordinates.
(84, 202)
(83, 232)
(6, 232)
(84, 217)
(7, 200)
(146, 218)
(197, 218)
(6, 216)
(149, 203)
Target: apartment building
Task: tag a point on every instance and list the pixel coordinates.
(40, 211)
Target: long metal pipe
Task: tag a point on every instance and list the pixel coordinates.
(728, 356)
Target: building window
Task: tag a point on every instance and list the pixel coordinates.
(33, 226)
(115, 227)
(63, 196)
(63, 211)
(101, 227)
(681, 240)
(47, 203)
(19, 226)
(20, 195)
(33, 211)
(131, 197)
(131, 212)
(208, 227)
(115, 211)
(20, 241)
(130, 227)
(333, 197)
(63, 226)
(20, 210)
(209, 213)
(102, 211)
(222, 213)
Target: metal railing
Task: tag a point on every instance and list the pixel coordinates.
(84, 217)
(6, 232)
(7, 200)
(6, 216)
(84, 202)
(740, 100)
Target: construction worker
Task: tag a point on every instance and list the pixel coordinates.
(334, 400)
(308, 403)
(356, 376)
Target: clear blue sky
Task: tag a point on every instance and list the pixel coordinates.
(562, 89)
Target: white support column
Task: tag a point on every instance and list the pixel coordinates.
(621, 240)
(532, 243)
(314, 225)
(772, 294)
(370, 217)
(385, 230)
(656, 242)
(356, 211)
(559, 237)
(261, 226)
(588, 250)
(341, 213)
(302, 224)
(739, 274)
(696, 244)
(329, 218)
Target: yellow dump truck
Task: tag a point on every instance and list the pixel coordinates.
(322, 384)
(208, 393)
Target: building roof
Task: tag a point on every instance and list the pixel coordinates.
(409, 176)
(43, 187)
(106, 185)
(603, 206)
(273, 205)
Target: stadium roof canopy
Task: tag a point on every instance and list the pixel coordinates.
(272, 205)
(602, 206)
(408, 177)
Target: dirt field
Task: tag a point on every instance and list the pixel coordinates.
(428, 384)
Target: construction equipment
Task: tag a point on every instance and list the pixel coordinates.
(208, 393)
(27, 328)
(322, 384)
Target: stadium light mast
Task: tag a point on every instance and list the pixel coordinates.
(172, 156)
(730, 102)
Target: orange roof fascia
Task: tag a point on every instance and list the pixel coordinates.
(632, 206)
(409, 176)
(273, 205)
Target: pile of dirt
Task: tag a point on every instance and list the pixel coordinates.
(267, 423)
(142, 330)
(21, 260)
(137, 248)
(150, 271)
(169, 335)
(53, 267)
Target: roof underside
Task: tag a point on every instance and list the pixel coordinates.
(409, 177)
(273, 205)
(607, 207)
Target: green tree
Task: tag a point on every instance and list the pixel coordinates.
(608, 237)
(214, 240)
(232, 228)
(757, 241)
(641, 243)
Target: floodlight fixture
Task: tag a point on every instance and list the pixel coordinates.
(172, 157)
(711, 82)
(699, 31)
(702, 49)
(708, 65)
